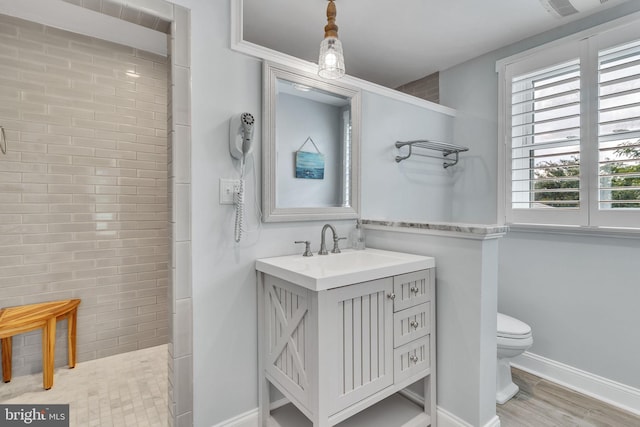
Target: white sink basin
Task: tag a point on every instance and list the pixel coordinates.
(321, 272)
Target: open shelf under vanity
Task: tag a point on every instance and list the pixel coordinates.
(394, 411)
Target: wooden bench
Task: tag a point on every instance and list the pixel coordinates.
(25, 318)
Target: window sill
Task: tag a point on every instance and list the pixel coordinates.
(616, 232)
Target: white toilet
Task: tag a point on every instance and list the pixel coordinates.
(514, 337)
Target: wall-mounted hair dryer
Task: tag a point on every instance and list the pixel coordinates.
(241, 135)
(240, 144)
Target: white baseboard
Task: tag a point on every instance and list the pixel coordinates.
(445, 419)
(248, 419)
(493, 422)
(614, 393)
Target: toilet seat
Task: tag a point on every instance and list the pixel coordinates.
(511, 328)
(515, 344)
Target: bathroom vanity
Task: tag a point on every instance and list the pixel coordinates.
(341, 334)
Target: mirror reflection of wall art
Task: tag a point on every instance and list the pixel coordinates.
(309, 165)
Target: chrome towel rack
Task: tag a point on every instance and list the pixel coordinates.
(445, 148)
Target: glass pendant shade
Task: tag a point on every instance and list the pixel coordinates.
(331, 61)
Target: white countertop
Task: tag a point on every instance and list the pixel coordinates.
(321, 272)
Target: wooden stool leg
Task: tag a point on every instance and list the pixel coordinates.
(71, 337)
(6, 359)
(48, 351)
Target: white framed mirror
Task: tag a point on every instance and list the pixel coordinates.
(311, 147)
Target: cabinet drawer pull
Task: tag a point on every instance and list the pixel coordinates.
(414, 324)
(391, 296)
(413, 358)
(415, 290)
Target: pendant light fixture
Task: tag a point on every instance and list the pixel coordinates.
(331, 61)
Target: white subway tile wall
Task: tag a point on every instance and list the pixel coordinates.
(83, 188)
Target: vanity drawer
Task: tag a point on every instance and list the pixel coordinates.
(411, 289)
(411, 324)
(411, 358)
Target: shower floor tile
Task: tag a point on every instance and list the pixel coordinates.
(128, 389)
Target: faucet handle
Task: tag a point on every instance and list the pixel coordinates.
(307, 247)
(336, 249)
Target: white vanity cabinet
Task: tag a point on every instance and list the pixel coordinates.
(335, 352)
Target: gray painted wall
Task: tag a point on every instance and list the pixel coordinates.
(578, 293)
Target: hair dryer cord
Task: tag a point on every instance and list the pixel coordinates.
(239, 211)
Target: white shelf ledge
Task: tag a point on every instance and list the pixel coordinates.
(452, 229)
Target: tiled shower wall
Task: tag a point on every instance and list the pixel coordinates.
(83, 188)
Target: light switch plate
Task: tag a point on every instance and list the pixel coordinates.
(228, 189)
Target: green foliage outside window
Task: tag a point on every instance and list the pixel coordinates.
(557, 176)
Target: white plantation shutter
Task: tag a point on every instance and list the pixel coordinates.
(619, 127)
(616, 188)
(571, 129)
(544, 137)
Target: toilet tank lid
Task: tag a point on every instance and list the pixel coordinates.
(509, 326)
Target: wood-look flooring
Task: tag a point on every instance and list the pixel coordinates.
(543, 403)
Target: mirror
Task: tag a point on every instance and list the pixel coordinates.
(311, 147)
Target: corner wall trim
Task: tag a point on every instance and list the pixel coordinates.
(611, 392)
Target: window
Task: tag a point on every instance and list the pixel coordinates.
(619, 127)
(571, 129)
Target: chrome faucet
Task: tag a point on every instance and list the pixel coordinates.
(323, 246)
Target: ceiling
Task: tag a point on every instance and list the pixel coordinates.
(396, 42)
